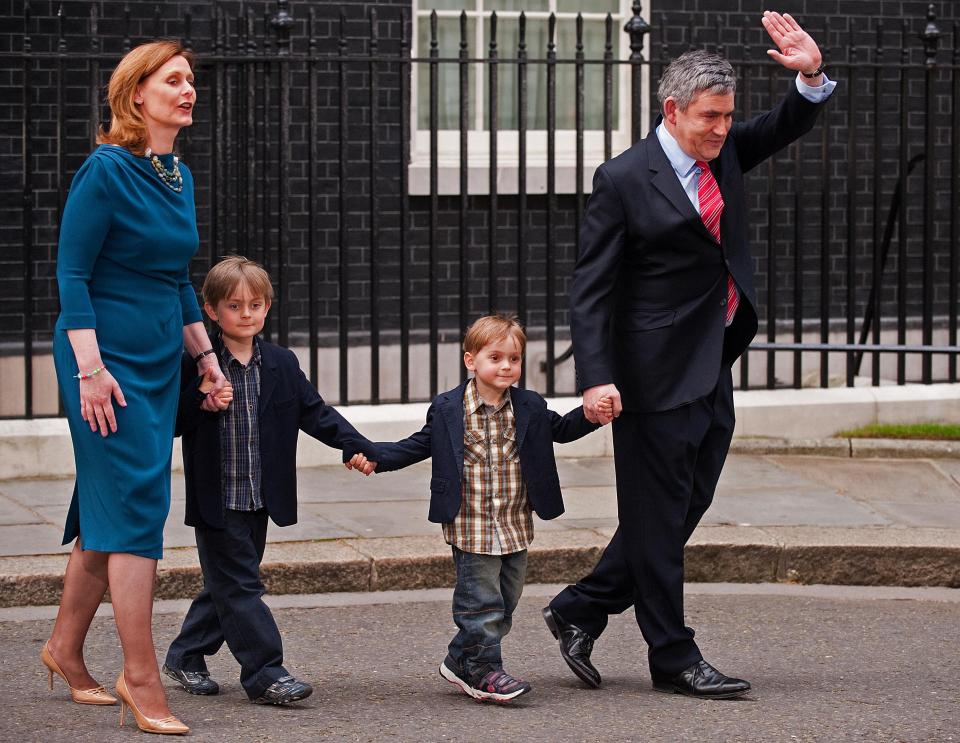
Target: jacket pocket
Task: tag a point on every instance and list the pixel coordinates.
(648, 320)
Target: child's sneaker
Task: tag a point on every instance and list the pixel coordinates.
(494, 686)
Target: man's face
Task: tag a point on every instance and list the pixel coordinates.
(702, 129)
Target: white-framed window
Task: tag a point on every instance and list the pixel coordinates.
(537, 13)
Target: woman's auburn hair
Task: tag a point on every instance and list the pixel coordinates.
(127, 127)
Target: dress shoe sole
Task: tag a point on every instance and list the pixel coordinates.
(671, 689)
(581, 673)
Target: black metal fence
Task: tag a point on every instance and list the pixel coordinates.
(302, 156)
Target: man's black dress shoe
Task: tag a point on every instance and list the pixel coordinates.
(700, 680)
(575, 647)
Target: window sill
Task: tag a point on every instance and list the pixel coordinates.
(478, 178)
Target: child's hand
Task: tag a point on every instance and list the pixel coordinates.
(360, 463)
(222, 398)
(605, 409)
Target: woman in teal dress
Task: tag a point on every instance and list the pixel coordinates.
(128, 309)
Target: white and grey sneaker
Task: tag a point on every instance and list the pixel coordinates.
(496, 685)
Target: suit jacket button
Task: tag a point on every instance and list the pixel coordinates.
(723, 302)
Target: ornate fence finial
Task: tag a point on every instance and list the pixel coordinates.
(636, 28)
(931, 37)
(282, 22)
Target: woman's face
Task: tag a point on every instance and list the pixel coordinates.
(166, 97)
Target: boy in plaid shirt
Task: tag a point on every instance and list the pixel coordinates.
(493, 465)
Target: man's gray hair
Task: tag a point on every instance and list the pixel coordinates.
(695, 72)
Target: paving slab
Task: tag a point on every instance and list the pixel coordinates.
(12, 513)
(338, 484)
(29, 539)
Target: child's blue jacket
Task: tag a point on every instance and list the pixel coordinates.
(288, 404)
(442, 439)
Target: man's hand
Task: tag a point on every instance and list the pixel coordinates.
(798, 51)
(360, 463)
(594, 410)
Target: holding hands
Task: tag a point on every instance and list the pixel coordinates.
(601, 404)
(216, 399)
(213, 385)
(360, 463)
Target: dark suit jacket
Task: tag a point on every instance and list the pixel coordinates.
(288, 404)
(649, 287)
(442, 438)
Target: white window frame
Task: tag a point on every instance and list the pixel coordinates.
(478, 140)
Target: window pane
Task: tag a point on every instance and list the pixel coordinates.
(588, 6)
(508, 37)
(448, 77)
(594, 38)
(517, 5)
(447, 5)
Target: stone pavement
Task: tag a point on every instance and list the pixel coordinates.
(825, 517)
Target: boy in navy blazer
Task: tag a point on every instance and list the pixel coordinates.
(493, 464)
(240, 467)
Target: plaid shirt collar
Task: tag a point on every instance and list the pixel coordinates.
(472, 402)
(229, 358)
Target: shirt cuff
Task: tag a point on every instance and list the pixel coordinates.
(815, 93)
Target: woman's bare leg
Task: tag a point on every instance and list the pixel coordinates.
(84, 584)
(131, 590)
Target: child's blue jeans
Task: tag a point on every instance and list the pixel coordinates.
(484, 599)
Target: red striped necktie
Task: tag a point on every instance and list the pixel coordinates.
(711, 207)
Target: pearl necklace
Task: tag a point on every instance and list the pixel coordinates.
(171, 178)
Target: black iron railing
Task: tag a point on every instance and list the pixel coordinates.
(302, 156)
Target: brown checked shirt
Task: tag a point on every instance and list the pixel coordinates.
(495, 516)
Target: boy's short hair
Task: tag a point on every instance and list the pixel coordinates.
(492, 328)
(229, 273)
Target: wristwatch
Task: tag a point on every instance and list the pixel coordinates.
(196, 359)
(816, 73)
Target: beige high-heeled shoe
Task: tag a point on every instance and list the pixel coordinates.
(164, 726)
(97, 695)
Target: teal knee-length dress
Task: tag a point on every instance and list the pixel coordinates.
(126, 240)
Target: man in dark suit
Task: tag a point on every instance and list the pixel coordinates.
(662, 303)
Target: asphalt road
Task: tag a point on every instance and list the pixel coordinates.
(827, 665)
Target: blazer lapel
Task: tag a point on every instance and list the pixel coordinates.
(665, 179)
(268, 376)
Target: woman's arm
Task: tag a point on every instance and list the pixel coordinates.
(83, 230)
(196, 341)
